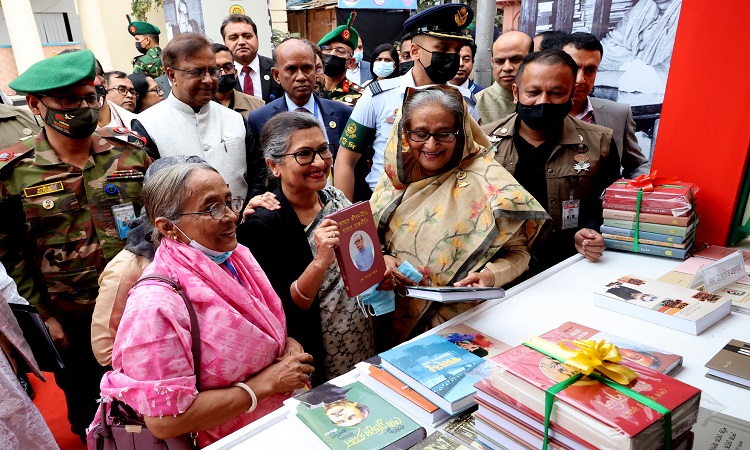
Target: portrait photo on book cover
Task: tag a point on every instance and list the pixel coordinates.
(361, 251)
(638, 39)
(627, 293)
(340, 410)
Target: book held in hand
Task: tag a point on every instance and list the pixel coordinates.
(447, 294)
(684, 309)
(359, 254)
(346, 415)
(437, 369)
(731, 364)
(37, 335)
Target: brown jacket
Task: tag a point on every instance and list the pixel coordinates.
(245, 104)
(562, 179)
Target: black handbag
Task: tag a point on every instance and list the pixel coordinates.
(121, 428)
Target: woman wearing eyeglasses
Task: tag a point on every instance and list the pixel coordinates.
(148, 92)
(295, 246)
(446, 206)
(248, 365)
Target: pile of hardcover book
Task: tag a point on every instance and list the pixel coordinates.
(587, 414)
(658, 218)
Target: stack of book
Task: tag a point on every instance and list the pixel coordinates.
(666, 219)
(586, 415)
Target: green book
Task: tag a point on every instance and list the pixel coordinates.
(347, 415)
(671, 230)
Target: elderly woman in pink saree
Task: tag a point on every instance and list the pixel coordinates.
(248, 366)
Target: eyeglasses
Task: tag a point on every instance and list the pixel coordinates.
(227, 68)
(157, 89)
(200, 73)
(307, 156)
(339, 51)
(218, 210)
(424, 136)
(92, 101)
(124, 91)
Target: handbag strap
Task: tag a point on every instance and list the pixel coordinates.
(194, 329)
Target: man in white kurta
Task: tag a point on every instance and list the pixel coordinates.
(188, 122)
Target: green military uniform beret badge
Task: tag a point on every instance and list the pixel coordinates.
(343, 33)
(136, 28)
(56, 72)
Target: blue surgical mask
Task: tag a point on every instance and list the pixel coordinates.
(358, 56)
(383, 302)
(383, 68)
(213, 255)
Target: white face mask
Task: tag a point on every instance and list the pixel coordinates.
(214, 255)
(383, 68)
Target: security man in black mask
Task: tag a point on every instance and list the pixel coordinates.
(437, 35)
(563, 162)
(226, 94)
(338, 53)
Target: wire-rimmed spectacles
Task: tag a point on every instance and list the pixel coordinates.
(218, 210)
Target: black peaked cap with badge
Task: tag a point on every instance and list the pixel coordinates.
(441, 21)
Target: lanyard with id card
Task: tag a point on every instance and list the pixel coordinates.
(571, 210)
(123, 213)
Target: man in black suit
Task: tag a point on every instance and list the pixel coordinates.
(294, 70)
(254, 77)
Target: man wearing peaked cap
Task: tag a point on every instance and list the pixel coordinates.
(63, 194)
(437, 35)
(147, 43)
(338, 53)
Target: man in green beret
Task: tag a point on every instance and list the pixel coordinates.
(338, 50)
(147, 43)
(65, 197)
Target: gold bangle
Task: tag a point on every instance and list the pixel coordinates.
(304, 297)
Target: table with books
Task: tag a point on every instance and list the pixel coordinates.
(564, 293)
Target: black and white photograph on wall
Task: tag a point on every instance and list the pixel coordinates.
(637, 37)
(183, 16)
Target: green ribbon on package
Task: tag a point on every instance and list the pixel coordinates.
(637, 219)
(592, 356)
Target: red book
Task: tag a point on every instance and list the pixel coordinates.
(359, 253)
(662, 219)
(681, 211)
(595, 412)
(678, 191)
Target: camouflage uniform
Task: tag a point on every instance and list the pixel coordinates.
(57, 235)
(346, 92)
(15, 124)
(149, 64)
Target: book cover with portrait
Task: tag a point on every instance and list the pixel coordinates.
(359, 253)
(348, 415)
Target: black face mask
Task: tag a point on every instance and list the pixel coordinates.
(76, 123)
(140, 48)
(227, 82)
(405, 67)
(443, 67)
(333, 65)
(544, 116)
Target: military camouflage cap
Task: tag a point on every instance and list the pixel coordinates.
(136, 28)
(57, 72)
(343, 33)
(442, 21)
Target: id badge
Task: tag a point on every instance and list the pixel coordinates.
(570, 212)
(123, 213)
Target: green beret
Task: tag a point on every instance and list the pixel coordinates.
(136, 28)
(56, 72)
(343, 33)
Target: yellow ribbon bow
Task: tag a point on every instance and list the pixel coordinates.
(589, 356)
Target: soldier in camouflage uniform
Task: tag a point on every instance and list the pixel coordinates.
(146, 42)
(64, 195)
(338, 47)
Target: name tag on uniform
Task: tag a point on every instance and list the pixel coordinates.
(570, 211)
(123, 214)
(43, 189)
(390, 120)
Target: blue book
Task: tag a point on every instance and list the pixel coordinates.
(436, 368)
(672, 239)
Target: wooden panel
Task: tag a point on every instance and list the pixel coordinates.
(527, 24)
(563, 15)
(601, 18)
